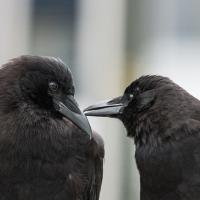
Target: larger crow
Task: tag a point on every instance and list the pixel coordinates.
(47, 149)
(164, 121)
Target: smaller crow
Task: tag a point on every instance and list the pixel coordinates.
(164, 121)
(47, 149)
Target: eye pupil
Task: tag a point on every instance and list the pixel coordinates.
(53, 86)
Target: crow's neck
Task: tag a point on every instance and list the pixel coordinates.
(146, 129)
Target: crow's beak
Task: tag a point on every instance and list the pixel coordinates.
(69, 108)
(110, 108)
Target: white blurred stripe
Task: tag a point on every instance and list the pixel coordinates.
(99, 58)
(14, 28)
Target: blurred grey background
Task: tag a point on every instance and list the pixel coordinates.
(107, 44)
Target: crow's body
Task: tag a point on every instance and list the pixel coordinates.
(43, 156)
(165, 122)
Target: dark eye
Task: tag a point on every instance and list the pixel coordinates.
(53, 87)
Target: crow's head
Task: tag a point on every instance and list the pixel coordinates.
(147, 101)
(42, 83)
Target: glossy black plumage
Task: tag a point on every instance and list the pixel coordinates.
(43, 155)
(164, 121)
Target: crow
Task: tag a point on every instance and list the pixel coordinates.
(164, 121)
(47, 148)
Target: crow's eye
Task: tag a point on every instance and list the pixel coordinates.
(131, 96)
(53, 87)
